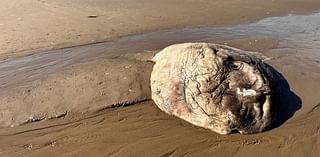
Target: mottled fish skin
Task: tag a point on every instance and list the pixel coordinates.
(214, 86)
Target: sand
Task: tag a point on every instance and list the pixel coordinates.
(34, 25)
(141, 129)
(101, 106)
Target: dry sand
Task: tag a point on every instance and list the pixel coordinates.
(82, 95)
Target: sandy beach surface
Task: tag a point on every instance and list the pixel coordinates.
(35, 25)
(94, 100)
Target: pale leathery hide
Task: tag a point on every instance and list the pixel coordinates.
(214, 86)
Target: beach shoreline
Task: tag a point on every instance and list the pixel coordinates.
(35, 26)
(78, 101)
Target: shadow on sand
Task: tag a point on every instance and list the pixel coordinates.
(287, 102)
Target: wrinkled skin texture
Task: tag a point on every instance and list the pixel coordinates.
(214, 86)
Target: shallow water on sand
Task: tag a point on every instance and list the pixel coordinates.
(293, 32)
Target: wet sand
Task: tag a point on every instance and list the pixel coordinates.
(68, 102)
(35, 25)
(141, 129)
